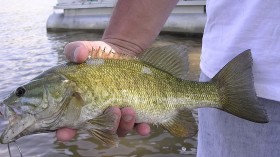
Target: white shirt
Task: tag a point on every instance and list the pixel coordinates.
(236, 25)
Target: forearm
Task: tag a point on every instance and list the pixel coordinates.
(135, 24)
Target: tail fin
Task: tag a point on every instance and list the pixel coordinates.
(236, 88)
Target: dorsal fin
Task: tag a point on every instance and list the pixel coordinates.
(103, 53)
(172, 59)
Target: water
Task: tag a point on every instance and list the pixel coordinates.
(26, 49)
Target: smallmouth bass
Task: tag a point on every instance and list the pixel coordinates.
(76, 95)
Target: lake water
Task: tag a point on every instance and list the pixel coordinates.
(26, 49)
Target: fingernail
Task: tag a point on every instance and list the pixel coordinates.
(75, 54)
(127, 118)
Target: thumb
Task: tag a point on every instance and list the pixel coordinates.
(77, 51)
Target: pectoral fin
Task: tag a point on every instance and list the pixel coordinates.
(74, 107)
(182, 125)
(102, 127)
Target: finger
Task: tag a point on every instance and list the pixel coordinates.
(143, 129)
(65, 134)
(77, 51)
(127, 121)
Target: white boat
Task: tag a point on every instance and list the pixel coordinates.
(187, 17)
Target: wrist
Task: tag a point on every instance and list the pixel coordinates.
(135, 24)
(123, 46)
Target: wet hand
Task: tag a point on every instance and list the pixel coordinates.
(125, 122)
(78, 52)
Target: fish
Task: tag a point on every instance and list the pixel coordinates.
(154, 84)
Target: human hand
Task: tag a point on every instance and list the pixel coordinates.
(79, 51)
(125, 118)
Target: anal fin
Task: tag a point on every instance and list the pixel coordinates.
(182, 125)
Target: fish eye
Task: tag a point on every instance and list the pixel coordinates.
(20, 91)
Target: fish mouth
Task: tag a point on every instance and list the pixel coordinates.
(3, 114)
(18, 123)
(6, 112)
(17, 127)
(13, 119)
